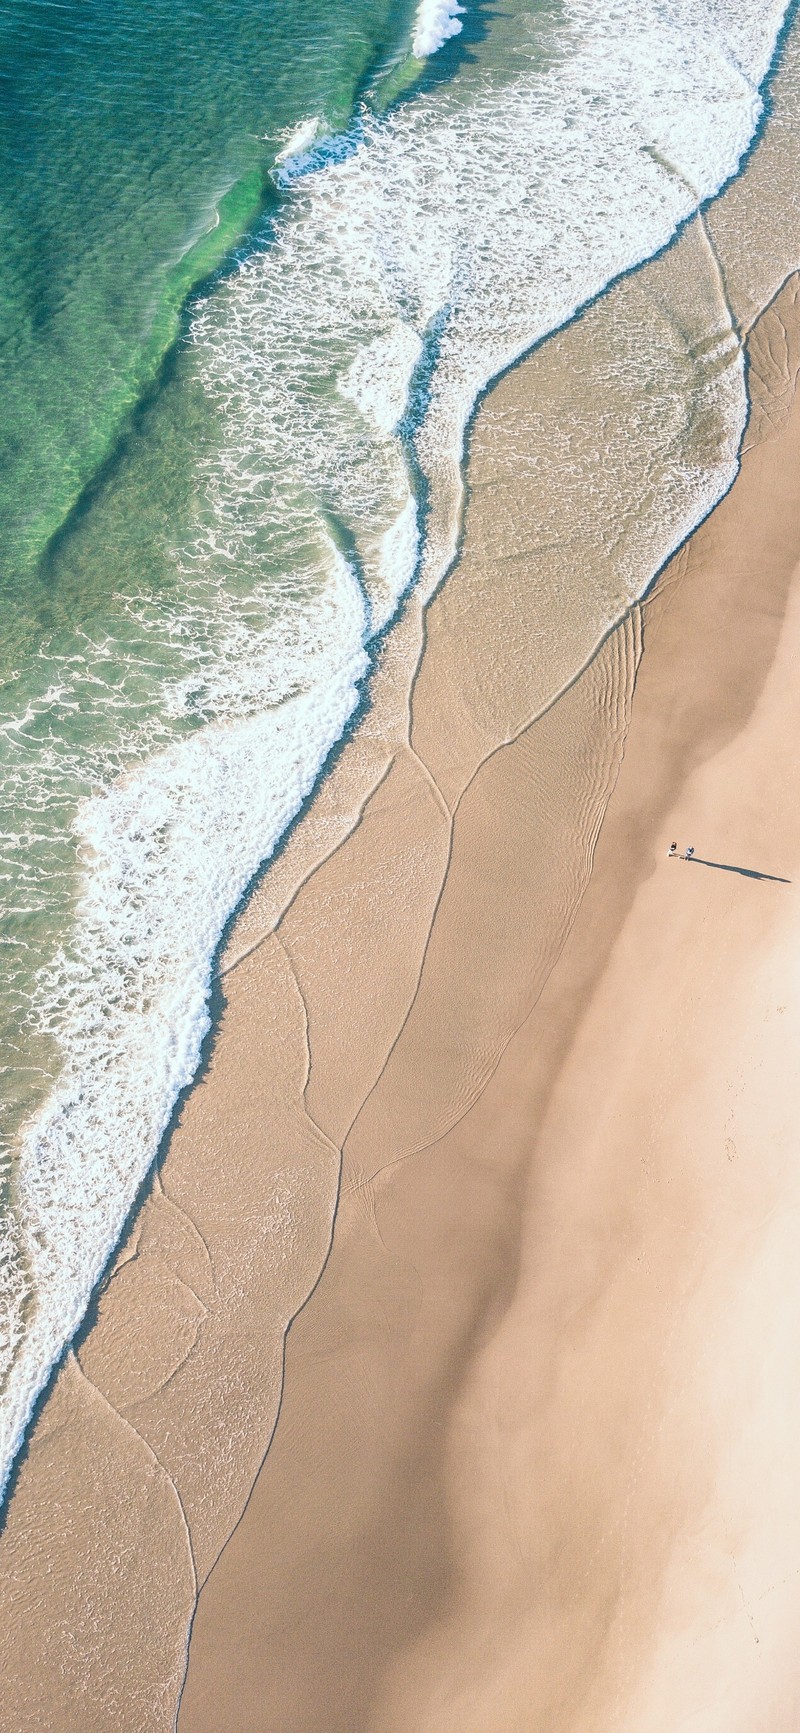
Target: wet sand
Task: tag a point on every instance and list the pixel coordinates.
(535, 1462)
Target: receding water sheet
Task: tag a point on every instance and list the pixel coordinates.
(191, 629)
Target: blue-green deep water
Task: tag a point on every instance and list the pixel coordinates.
(258, 262)
(137, 142)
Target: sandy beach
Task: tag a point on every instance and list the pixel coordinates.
(499, 1116)
(535, 1453)
(534, 1465)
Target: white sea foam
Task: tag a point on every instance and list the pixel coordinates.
(378, 379)
(168, 850)
(435, 23)
(300, 140)
(414, 261)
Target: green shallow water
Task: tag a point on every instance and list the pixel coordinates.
(139, 145)
(136, 144)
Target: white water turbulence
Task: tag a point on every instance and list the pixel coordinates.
(411, 263)
(435, 23)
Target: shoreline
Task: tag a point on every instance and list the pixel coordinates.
(685, 229)
(185, 1354)
(102, 1234)
(311, 1584)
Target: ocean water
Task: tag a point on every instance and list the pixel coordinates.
(205, 541)
(137, 142)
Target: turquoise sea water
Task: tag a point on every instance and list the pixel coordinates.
(201, 542)
(136, 142)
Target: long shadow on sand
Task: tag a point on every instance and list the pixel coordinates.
(745, 872)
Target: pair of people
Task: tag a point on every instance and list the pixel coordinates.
(673, 849)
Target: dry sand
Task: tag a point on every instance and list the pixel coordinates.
(511, 1401)
(536, 1461)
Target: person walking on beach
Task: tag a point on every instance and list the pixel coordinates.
(673, 848)
(689, 853)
